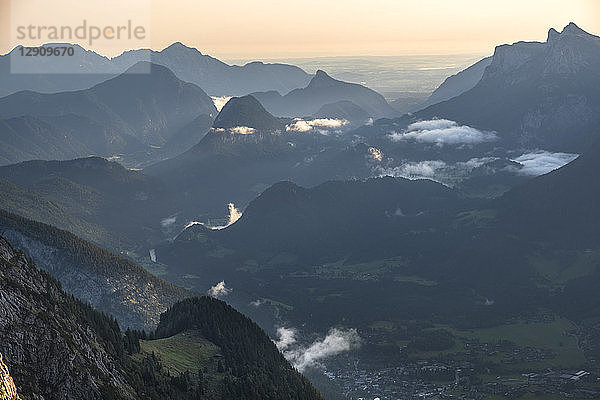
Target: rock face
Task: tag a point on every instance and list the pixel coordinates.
(536, 94)
(457, 84)
(8, 391)
(109, 283)
(52, 353)
(189, 64)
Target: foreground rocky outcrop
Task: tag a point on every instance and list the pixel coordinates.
(8, 391)
(52, 352)
(58, 348)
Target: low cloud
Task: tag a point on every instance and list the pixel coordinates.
(287, 337)
(168, 221)
(256, 303)
(219, 290)
(415, 170)
(442, 132)
(542, 162)
(302, 357)
(447, 173)
(301, 125)
(431, 124)
(220, 101)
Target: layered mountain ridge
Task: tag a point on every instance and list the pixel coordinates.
(552, 85)
(87, 68)
(322, 90)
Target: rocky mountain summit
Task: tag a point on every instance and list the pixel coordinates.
(535, 94)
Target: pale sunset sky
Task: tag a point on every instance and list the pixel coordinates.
(308, 28)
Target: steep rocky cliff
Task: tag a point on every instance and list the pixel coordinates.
(536, 94)
(58, 348)
(52, 352)
(109, 283)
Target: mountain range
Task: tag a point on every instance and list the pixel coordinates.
(129, 113)
(417, 243)
(248, 149)
(332, 226)
(552, 86)
(98, 200)
(323, 90)
(86, 69)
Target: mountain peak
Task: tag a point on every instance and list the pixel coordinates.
(246, 111)
(572, 28)
(321, 78)
(179, 46)
(147, 67)
(552, 34)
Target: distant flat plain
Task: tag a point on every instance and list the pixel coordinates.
(392, 76)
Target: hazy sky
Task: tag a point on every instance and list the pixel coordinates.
(288, 28)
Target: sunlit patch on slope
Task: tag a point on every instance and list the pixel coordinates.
(232, 217)
(220, 101)
(375, 154)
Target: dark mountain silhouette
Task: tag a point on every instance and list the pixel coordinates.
(217, 77)
(323, 222)
(247, 150)
(457, 84)
(27, 138)
(536, 94)
(246, 147)
(86, 69)
(144, 106)
(560, 206)
(343, 109)
(246, 111)
(323, 90)
(98, 200)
